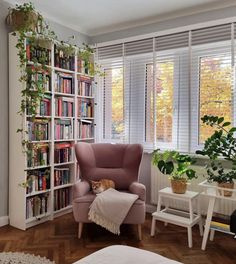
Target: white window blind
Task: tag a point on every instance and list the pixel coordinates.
(155, 90)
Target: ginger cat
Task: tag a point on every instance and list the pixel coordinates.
(102, 185)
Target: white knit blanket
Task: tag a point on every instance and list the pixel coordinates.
(110, 208)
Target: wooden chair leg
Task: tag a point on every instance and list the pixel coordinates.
(140, 232)
(80, 229)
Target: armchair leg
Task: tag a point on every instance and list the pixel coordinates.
(80, 229)
(140, 232)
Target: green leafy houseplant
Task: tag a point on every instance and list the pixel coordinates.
(177, 165)
(221, 144)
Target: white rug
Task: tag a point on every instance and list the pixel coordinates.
(22, 258)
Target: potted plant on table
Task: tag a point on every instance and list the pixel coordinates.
(177, 166)
(221, 144)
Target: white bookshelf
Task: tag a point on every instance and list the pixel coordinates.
(17, 159)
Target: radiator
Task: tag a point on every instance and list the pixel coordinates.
(160, 181)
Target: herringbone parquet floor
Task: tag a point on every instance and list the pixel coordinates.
(57, 240)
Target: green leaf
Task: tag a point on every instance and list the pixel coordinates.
(226, 124)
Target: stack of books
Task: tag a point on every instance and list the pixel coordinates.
(38, 130)
(63, 152)
(63, 129)
(85, 129)
(61, 198)
(85, 107)
(83, 67)
(64, 83)
(85, 86)
(61, 176)
(64, 106)
(36, 205)
(38, 156)
(62, 60)
(38, 180)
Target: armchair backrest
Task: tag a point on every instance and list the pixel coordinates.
(118, 162)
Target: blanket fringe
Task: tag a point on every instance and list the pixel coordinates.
(100, 220)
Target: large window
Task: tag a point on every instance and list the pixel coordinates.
(165, 84)
(215, 90)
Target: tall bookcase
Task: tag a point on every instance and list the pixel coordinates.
(65, 117)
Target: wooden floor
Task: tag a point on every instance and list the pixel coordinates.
(57, 240)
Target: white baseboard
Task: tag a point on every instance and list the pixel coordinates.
(150, 208)
(4, 220)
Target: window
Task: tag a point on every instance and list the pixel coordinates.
(215, 90)
(164, 101)
(113, 112)
(162, 107)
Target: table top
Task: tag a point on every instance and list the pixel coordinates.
(188, 195)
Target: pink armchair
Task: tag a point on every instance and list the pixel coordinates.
(118, 162)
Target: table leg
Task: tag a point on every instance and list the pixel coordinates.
(190, 237)
(153, 226)
(200, 217)
(208, 221)
(212, 234)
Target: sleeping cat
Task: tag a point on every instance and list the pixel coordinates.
(102, 185)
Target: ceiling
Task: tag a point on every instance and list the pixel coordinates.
(96, 17)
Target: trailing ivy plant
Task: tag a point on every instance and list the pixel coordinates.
(221, 144)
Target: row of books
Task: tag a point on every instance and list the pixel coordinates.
(85, 86)
(38, 54)
(38, 180)
(64, 83)
(44, 108)
(36, 205)
(61, 198)
(61, 176)
(85, 107)
(63, 60)
(85, 129)
(63, 129)
(41, 78)
(64, 106)
(38, 156)
(38, 130)
(63, 152)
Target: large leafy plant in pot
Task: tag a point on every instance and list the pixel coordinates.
(177, 166)
(221, 144)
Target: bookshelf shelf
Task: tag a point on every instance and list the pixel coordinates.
(63, 186)
(58, 117)
(37, 193)
(37, 218)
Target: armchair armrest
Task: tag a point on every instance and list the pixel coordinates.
(80, 188)
(139, 189)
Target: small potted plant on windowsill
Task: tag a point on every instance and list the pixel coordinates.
(221, 144)
(177, 166)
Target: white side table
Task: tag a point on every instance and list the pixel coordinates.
(178, 217)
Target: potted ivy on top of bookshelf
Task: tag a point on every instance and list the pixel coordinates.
(23, 17)
(177, 166)
(221, 144)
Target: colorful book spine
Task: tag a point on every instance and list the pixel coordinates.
(62, 198)
(63, 129)
(64, 106)
(63, 152)
(38, 130)
(85, 86)
(64, 83)
(38, 156)
(63, 60)
(85, 108)
(36, 205)
(61, 176)
(38, 180)
(85, 129)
